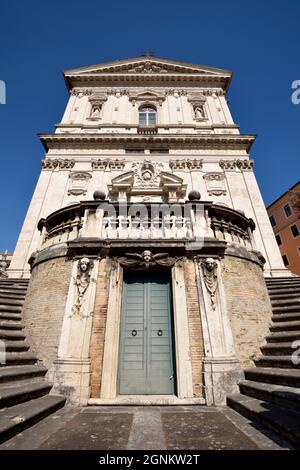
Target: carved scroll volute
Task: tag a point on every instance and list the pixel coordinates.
(82, 282)
(210, 276)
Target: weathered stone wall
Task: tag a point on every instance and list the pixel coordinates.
(44, 307)
(248, 306)
(195, 328)
(99, 326)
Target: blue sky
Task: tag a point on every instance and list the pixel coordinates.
(257, 40)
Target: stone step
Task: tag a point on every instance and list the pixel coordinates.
(278, 349)
(292, 294)
(11, 346)
(286, 309)
(11, 325)
(15, 358)
(13, 290)
(285, 326)
(11, 296)
(19, 392)
(12, 334)
(281, 395)
(12, 373)
(275, 376)
(10, 316)
(286, 291)
(281, 317)
(11, 301)
(284, 336)
(19, 417)
(282, 278)
(276, 361)
(10, 308)
(292, 301)
(282, 286)
(281, 420)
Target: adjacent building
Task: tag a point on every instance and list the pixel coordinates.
(284, 214)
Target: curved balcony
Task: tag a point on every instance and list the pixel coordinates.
(184, 222)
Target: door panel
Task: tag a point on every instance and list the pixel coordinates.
(146, 355)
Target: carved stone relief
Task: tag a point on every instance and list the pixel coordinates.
(82, 282)
(62, 163)
(215, 184)
(147, 173)
(182, 164)
(79, 182)
(147, 260)
(209, 268)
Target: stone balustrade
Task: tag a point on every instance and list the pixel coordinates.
(107, 221)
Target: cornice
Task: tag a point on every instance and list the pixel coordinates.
(224, 141)
(74, 80)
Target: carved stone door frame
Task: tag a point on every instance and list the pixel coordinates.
(181, 331)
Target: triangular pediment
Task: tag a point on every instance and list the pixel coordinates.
(123, 179)
(148, 65)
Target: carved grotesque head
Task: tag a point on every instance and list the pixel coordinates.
(211, 264)
(84, 264)
(147, 256)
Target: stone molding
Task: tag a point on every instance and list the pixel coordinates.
(242, 165)
(183, 164)
(108, 164)
(61, 163)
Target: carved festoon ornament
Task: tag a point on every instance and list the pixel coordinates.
(245, 164)
(80, 92)
(82, 282)
(233, 164)
(227, 164)
(108, 164)
(209, 268)
(62, 163)
(182, 164)
(147, 259)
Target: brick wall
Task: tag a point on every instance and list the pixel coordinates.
(195, 327)
(98, 327)
(44, 307)
(248, 305)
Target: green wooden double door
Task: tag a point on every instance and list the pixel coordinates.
(146, 364)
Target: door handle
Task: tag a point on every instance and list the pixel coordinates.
(134, 333)
(172, 377)
(159, 332)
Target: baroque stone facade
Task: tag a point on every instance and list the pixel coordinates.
(146, 241)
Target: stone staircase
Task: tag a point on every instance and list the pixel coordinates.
(270, 393)
(24, 393)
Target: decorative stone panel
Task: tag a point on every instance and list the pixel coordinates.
(215, 184)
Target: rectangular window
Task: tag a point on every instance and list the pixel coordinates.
(294, 230)
(278, 239)
(287, 209)
(285, 260)
(273, 220)
(134, 151)
(159, 150)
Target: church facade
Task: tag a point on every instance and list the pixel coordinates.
(147, 241)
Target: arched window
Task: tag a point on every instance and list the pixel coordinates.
(147, 116)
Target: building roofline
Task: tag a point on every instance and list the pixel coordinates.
(282, 195)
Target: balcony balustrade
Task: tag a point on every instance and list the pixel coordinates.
(108, 221)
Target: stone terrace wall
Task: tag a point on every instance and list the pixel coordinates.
(44, 307)
(195, 328)
(248, 306)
